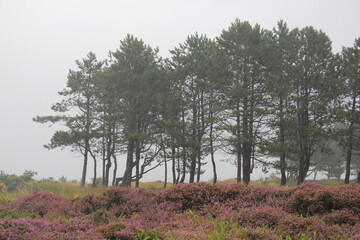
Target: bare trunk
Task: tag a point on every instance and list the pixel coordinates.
(126, 179)
(183, 166)
(103, 161)
(282, 143)
(212, 141)
(246, 144)
(199, 168)
(183, 147)
(115, 170)
(137, 155)
(178, 167)
(83, 175)
(238, 146)
(95, 172)
(350, 144)
(173, 161)
(194, 137)
(165, 165)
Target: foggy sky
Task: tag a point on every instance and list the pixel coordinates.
(41, 39)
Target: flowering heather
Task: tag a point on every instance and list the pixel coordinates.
(188, 211)
(313, 199)
(45, 229)
(43, 204)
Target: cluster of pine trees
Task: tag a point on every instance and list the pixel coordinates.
(277, 98)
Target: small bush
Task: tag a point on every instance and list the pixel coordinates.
(127, 201)
(43, 204)
(311, 198)
(260, 217)
(113, 231)
(183, 197)
(309, 228)
(341, 217)
(28, 228)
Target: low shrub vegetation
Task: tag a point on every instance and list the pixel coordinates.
(188, 211)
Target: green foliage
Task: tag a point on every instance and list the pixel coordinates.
(12, 182)
(252, 92)
(147, 235)
(16, 215)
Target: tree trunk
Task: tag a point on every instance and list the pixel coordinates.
(194, 136)
(165, 165)
(126, 180)
(107, 171)
(301, 171)
(115, 170)
(282, 143)
(239, 163)
(137, 163)
(238, 143)
(182, 180)
(173, 161)
(199, 166)
(212, 155)
(83, 175)
(246, 144)
(212, 140)
(87, 142)
(103, 161)
(350, 143)
(178, 167)
(95, 172)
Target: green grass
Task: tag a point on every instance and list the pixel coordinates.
(68, 190)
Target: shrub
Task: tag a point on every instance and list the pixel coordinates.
(183, 197)
(311, 198)
(87, 204)
(28, 228)
(114, 231)
(115, 202)
(346, 197)
(43, 204)
(310, 227)
(195, 196)
(260, 217)
(340, 217)
(127, 201)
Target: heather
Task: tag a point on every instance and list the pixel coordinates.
(188, 211)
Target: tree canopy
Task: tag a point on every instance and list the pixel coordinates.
(273, 98)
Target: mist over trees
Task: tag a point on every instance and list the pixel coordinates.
(275, 98)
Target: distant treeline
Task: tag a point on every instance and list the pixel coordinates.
(272, 98)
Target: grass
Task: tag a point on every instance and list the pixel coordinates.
(68, 190)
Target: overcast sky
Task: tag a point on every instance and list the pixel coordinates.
(41, 39)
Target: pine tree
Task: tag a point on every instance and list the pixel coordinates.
(79, 114)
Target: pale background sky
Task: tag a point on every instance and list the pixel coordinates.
(41, 39)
